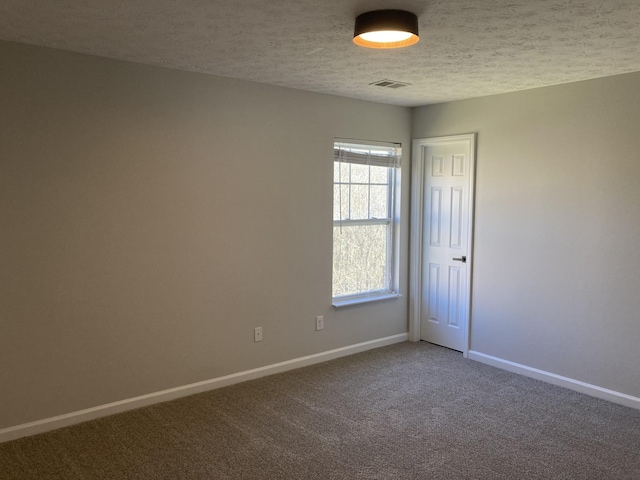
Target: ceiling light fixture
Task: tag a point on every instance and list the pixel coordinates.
(386, 29)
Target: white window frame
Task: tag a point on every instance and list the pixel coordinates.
(347, 151)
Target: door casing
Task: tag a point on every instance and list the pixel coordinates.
(417, 230)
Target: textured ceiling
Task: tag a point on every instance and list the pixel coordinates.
(467, 48)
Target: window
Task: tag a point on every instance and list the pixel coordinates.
(364, 222)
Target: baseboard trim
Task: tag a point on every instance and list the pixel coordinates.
(570, 383)
(53, 423)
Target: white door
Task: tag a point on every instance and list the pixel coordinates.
(445, 167)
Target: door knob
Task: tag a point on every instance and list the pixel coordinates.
(462, 259)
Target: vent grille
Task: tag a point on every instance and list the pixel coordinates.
(390, 84)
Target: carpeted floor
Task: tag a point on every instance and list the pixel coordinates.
(408, 411)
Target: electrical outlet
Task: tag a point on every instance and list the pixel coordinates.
(319, 322)
(257, 334)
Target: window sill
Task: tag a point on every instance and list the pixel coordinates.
(357, 301)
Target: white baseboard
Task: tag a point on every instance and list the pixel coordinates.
(570, 383)
(47, 424)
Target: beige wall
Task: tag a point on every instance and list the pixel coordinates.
(151, 218)
(557, 235)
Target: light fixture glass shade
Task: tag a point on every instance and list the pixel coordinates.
(386, 36)
(386, 29)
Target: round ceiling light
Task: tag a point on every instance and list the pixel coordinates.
(386, 29)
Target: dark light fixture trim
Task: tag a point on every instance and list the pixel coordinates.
(386, 29)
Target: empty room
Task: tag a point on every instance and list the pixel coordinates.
(320, 239)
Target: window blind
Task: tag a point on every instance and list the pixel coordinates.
(377, 155)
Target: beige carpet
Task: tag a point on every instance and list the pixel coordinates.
(409, 411)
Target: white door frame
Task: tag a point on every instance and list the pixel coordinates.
(417, 225)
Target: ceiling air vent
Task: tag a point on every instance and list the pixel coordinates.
(390, 84)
